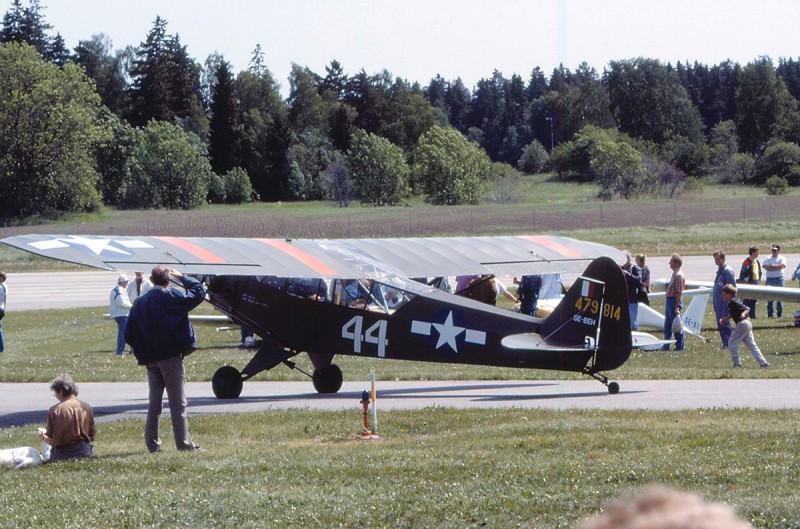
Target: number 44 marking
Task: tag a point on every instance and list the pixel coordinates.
(375, 334)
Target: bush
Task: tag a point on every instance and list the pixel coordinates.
(238, 188)
(170, 169)
(776, 185)
(739, 169)
(506, 186)
(216, 189)
(779, 159)
(534, 158)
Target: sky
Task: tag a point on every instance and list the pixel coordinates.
(467, 39)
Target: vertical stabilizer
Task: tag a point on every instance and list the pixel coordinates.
(594, 312)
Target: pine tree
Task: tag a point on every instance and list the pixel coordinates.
(225, 136)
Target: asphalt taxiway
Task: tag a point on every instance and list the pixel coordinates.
(27, 403)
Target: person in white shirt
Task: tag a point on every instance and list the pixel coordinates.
(773, 267)
(119, 306)
(138, 287)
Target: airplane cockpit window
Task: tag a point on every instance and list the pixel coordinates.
(308, 288)
(384, 296)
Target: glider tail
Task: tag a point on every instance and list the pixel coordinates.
(694, 313)
(594, 314)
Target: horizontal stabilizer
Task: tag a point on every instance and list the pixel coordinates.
(533, 342)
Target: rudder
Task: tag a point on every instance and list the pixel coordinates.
(595, 311)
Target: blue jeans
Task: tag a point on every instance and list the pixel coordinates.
(633, 310)
(774, 282)
(2, 343)
(669, 315)
(122, 321)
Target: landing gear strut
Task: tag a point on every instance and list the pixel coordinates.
(613, 386)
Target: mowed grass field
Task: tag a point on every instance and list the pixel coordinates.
(435, 467)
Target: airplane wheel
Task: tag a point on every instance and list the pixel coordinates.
(327, 379)
(613, 387)
(227, 383)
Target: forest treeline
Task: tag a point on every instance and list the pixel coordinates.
(148, 126)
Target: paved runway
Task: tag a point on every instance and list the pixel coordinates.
(27, 404)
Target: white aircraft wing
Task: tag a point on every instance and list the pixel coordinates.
(744, 290)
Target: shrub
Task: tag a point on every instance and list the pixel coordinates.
(238, 188)
(776, 185)
(739, 169)
(534, 158)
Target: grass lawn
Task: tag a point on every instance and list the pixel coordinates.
(434, 468)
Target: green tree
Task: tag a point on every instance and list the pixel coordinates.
(170, 169)
(337, 184)
(378, 169)
(311, 154)
(114, 156)
(762, 101)
(723, 143)
(450, 169)
(534, 158)
(776, 185)
(617, 168)
(26, 24)
(108, 70)
(166, 81)
(265, 134)
(49, 123)
(739, 169)
(238, 188)
(780, 159)
(583, 102)
(224, 140)
(307, 109)
(649, 101)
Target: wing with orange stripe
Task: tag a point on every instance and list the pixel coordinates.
(349, 258)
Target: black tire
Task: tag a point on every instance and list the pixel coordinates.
(613, 387)
(327, 379)
(227, 383)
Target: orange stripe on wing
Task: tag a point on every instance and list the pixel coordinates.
(304, 257)
(552, 245)
(194, 249)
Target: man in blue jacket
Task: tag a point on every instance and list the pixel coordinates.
(724, 277)
(160, 334)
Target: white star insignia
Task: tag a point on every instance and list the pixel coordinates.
(448, 332)
(95, 245)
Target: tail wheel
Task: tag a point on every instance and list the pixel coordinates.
(227, 383)
(327, 379)
(613, 388)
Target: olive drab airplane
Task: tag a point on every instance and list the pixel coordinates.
(355, 297)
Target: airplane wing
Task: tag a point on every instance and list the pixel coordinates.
(345, 258)
(744, 290)
(648, 342)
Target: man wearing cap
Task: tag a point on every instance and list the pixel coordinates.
(773, 266)
(119, 305)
